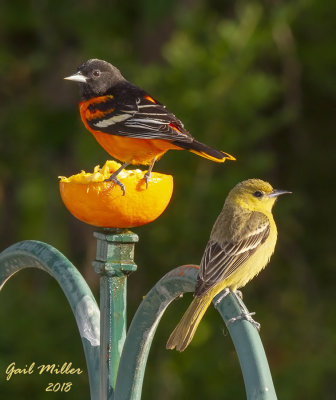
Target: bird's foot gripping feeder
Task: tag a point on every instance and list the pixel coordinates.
(116, 361)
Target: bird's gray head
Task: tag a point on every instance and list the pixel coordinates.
(96, 78)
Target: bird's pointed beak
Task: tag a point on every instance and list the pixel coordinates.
(276, 193)
(77, 77)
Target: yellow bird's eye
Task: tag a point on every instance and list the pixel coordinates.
(258, 194)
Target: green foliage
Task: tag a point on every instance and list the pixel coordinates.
(255, 79)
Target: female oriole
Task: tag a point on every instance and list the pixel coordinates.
(241, 243)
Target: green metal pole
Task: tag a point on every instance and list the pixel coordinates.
(114, 262)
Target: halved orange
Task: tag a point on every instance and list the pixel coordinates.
(93, 200)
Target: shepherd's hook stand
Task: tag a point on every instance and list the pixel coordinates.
(116, 362)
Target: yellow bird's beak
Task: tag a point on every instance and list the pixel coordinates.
(276, 193)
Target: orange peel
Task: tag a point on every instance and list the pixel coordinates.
(101, 203)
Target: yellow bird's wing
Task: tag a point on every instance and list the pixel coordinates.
(221, 260)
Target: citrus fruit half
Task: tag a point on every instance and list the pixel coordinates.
(93, 200)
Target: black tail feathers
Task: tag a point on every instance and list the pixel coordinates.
(205, 151)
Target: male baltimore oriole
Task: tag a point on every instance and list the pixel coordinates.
(241, 243)
(128, 123)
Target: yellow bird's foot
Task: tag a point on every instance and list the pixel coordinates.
(223, 294)
(247, 316)
(238, 293)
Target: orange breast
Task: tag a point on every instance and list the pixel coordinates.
(134, 151)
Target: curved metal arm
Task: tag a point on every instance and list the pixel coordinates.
(253, 362)
(252, 358)
(34, 254)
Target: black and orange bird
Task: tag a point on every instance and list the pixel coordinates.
(128, 123)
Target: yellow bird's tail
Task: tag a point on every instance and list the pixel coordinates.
(186, 328)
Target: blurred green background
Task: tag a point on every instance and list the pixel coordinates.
(254, 78)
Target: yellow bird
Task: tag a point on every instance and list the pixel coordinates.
(241, 243)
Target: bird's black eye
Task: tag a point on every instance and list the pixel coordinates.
(258, 194)
(96, 73)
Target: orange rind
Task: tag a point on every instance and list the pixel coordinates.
(101, 203)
